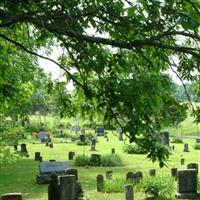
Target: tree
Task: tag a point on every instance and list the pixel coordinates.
(120, 66)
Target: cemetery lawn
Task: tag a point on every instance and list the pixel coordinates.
(21, 176)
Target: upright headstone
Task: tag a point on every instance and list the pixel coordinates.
(51, 145)
(193, 166)
(67, 187)
(37, 156)
(93, 144)
(198, 140)
(11, 196)
(71, 155)
(100, 131)
(78, 191)
(129, 192)
(23, 151)
(130, 176)
(182, 161)
(113, 151)
(152, 172)
(82, 138)
(109, 174)
(187, 184)
(72, 171)
(53, 189)
(173, 147)
(100, 182)
(15, 147)
(138, 176)
(174, 172)
(40, 159)
(165, 138)
(186, 148)
(120, 134)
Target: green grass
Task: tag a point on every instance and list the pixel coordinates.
(20, 177)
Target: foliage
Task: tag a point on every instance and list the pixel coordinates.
(82, 160)
(111, 160)
(177, 140)
(119, 71)
(158, 188)
(81, 143)
(134, 149)
(197, 146)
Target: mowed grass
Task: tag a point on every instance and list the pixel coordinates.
(21, 176)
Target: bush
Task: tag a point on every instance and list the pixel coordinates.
(111, 160)
(114, 185)
(158, 188)
(134, 149)
(81, 160)
(86, 142)
(177, 140)
(197, 146)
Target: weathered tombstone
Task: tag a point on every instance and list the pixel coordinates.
(186, 148)
(15, 147)
(11, 196)
(46, 144)
(51, 145)
(120, 134)
(193, 166)
(174, 172)
(82, 138)
(182, 161)
(48, 168)
(173, 147)
(130, 176)
(197, 140)
(43, 136)
(40, 159)
(95, 159)
(152, 172)
(109, 174)
(93, 144)
(100, 182)
(67, 187)
(37, 156)
(129, 192)
(187, 184)
(100, 131)
(138, 176)
(71, 155)
(53, 188)
(72, 171)
(23, 151)
(113, 150)
(165, 138)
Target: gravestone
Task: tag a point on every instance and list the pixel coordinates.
(129, 192)
(109, 174)
(193, 166)
(182, 161)
(11, 196)
(173, 147)
(71, 155)
(113, 151)
(120, 134)
(46, 169)
(53, 188)
(23, 151)
(187, 184)
(40, 158)
(100, 131)
(95, 160)
(174, 172)
(152, 172)
(37, 156)
(15, 147)
(78, 191)
(72, 171)
(138, 176)
(43, 136)
(100, 182)
(165, 138)
(67, 187)
(51, 145)
(186, 148)
(197, 140)
(93, 144)
(75, 128)
(130, 176)
(82, 138)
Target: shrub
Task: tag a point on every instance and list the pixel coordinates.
(86, 142)
(114, 185)
(134, 149)
(177, 140)
(81, 160)
(197, 146)
(111, 160)
(159, 188)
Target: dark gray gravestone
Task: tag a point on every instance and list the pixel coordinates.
(82, 138)
(53, 189)
(37, 156)
(193, 166)
(15, 147)
(187, 184)
(186, 148)
(100, 182)
(120, 134)
(71, 155)
(48, 168)
(198, 140)
(113, 151)
(152, 172)
(165, 138)
(100, 131)
(23, 151)
(130, 176)
(129, 192)
(109, 174)
(138, 176)
(72, 171)
(174, 172)
(182, 161)
(11, 196)
(67, 187)
(43, 136)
